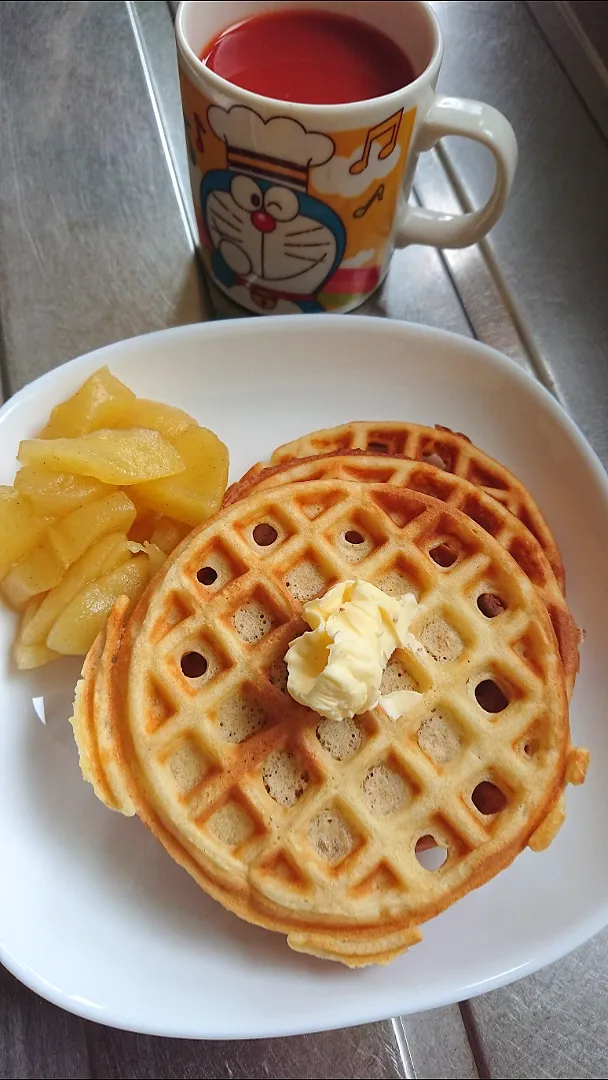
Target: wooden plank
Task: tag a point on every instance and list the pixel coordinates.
(93, 246)
(551, 1026)
(550, 244)
(38, 1039)
(369, 1051)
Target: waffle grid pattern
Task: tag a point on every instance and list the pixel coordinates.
(449, 450)
(329, 857)
(452, 489)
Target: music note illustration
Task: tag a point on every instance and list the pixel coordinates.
(385, 133)
(378, 194)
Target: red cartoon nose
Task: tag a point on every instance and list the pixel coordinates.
(263, 221)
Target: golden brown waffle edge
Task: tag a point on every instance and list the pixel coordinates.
(450, 488)
(450, 450)
(396, 926)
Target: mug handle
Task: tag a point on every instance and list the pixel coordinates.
(474, 120)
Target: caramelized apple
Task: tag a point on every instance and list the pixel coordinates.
(100, 403)
(21, 527)
(72, 535)
(167, 533)
(58, 493)
(196, 493)
(111, 486)
(156, 556)
(166, 419)
(66, 541)
(79, 623)
(105, 555)
(30, 656)
(115, 457)
(145, 522)
(36, 573)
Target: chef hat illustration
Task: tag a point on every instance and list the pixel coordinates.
(279, 149)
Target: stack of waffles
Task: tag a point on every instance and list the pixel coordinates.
(345, 836)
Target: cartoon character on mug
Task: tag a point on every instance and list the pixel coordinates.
(274, 244)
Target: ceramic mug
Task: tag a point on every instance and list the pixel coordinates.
(334, 179)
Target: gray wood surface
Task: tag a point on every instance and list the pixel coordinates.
(93, 246)
(550, 245)
(553, 1025)
(36, 1038)
(368, 1051)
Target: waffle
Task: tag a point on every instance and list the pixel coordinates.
(451, 489)
(91, 721)
(310, 827)
(449, 450)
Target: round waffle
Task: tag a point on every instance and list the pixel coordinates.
(449, 488)
(449, 450)
(310, 827)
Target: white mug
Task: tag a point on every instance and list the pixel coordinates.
(337, 176)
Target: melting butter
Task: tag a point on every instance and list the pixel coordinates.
(336, 667)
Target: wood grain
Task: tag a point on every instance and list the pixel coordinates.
(38, 1039)
(369, 1051)
(93, 246)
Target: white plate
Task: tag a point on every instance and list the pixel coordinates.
(93, 914)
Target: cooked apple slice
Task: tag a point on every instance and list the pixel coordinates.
(105, 555)
(79, 623)
(166, 419)
(72, 535)
(167, 533)
(36, 573)
(115, 457)
(58, 493)
(156, 556)
(31, 656)
(144, 524)
(21, 527)
(27, 657)
(68, 539)
(100, 403)
(196, 493)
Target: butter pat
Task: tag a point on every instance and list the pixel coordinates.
(336, 668)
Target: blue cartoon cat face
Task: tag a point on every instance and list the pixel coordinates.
(281, 238)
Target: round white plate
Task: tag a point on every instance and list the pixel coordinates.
(93, 913)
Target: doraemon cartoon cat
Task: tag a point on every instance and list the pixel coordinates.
(269, 235)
